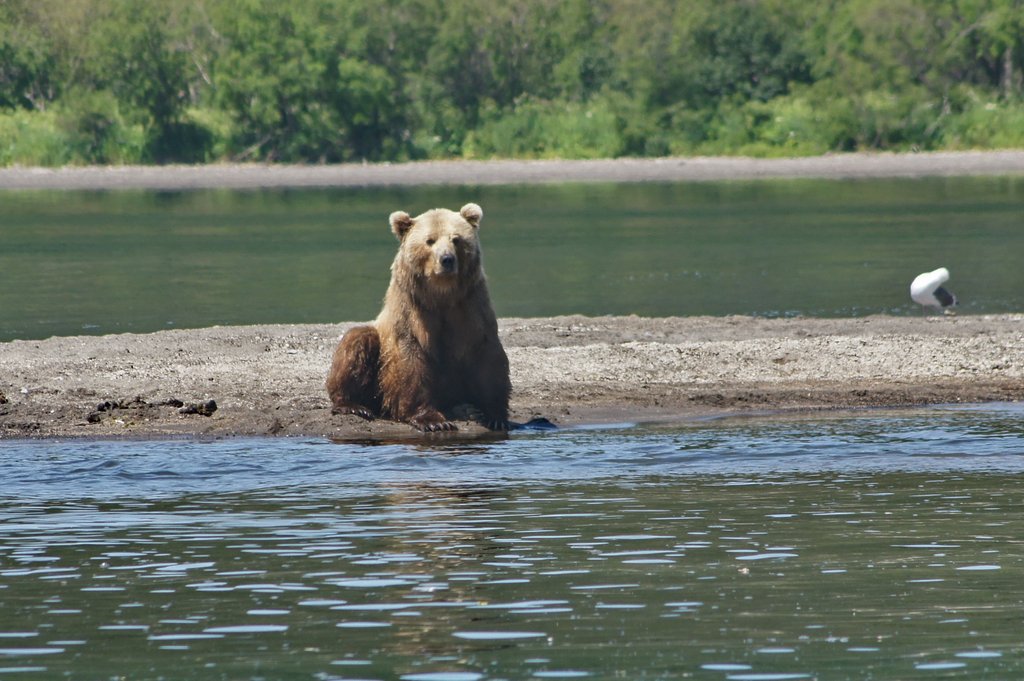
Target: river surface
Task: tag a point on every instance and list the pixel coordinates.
(109, 262)
(868, 545)
(872, 544)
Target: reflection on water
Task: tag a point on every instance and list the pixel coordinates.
(106, 262)
(881, 545)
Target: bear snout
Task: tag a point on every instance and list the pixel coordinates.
(448, 263)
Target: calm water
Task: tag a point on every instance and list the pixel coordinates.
(79, 262)
(872, 545)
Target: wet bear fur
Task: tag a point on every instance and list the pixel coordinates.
(434, 346)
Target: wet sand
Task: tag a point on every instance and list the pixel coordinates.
(268, 380)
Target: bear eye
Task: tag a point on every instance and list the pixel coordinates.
(456, 240)
(430, 242)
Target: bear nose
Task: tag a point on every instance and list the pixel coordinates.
(448, 262)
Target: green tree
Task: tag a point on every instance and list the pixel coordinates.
(296, 92)
(25, 64)
(145, 57)
(270, 79)
(987, 39)
(340, 80)
(43, 45)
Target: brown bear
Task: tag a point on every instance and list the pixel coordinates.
(434, 346)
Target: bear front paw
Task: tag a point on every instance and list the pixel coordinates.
(356, 410)
(501, 425)
(439, 427)
(432, 421)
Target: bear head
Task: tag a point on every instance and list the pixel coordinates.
(439, 248)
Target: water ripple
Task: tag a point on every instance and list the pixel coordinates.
(836, 544)
(941, 439)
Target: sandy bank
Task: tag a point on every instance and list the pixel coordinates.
(697, 169)
(269, 379)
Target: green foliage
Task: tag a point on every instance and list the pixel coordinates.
(32, 139)
(147, 66)
(117, 81)
(95, 132)
(741, 50)
(368, 108)
(24, 62)
(90, 131)
(217, 125)
(295, 94)
(539, 129)
(271, 78)
(985, 126)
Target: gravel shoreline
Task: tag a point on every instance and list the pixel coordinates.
(693, 169)
(268, 380)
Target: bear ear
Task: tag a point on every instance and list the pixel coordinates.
(472, 213)
(401, 223)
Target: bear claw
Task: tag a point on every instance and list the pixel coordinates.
(443, 426)
(431, 420)
(361, 412)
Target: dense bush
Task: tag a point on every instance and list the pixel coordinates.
(541, 129)
(120, 81)
(32, 138)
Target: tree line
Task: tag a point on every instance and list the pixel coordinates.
(155, 81)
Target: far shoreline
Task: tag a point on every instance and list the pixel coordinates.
(254, 176)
